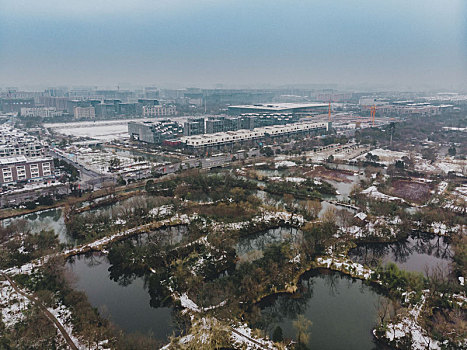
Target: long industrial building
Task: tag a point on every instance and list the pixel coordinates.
(294, 108)
(224, 138)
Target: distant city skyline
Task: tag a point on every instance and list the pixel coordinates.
(417, 44)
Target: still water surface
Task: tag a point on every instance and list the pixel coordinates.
(416, 253)
(343, 311)
(127, 306)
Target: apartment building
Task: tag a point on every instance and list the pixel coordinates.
(15, 142)
(23, 169)
(159, 111)
(84, 113)
(40, 112)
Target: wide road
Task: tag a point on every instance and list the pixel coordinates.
(88, 177)
(7, 199)
(206, 163)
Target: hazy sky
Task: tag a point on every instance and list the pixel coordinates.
(406, 43)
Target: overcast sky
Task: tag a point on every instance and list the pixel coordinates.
(393, 43)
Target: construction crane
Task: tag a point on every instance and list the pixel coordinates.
(329, 113)
(372, 113)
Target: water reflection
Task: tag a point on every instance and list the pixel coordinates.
(251, 247)
(134, 305)
(45, 220)
(416, 253)
(343, 311)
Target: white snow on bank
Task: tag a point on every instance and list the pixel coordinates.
(28, 268)
(243, 339)
(64, 316)
(380, 227)
(345, 265)
(266, 217)
(240, 335)
(362, 216)
(288, 179)
(442, 186)
(161, 211)
(120, 221)
(295, 179)
(285, 164)
(190, 305)
(409, 326)
(440, 228)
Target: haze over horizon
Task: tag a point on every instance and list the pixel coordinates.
(399, 44)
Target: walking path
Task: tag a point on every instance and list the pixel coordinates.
(47, 313)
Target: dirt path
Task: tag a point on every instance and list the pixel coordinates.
(47, 313)
(262, 346)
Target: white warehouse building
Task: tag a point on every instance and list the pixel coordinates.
(223, 138)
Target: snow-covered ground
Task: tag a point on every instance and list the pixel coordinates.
(372, 191)
(285, 164)
(107, 130)
(241, 336)
(64, 316)
(442, 165)
(12, 304)
(408, 326)
(266, 217)
(288, 179)
(386, 157)
(345, 265)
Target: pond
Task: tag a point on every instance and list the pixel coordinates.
(53, 219)
(167, 236)
(45, 220)
(343, 311)
(343, 188)
(126, 304)
(251, 247)
(415, 253)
